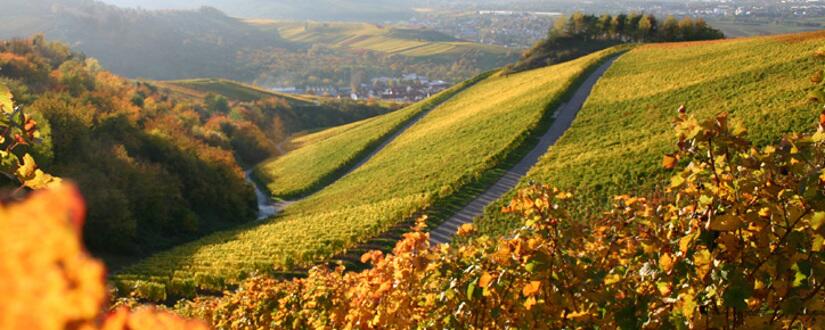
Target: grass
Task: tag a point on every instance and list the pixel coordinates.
(618, 139)
(384, 39)
(319, 158)
(450, 149)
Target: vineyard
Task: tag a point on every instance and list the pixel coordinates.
(735, 241)
(365, 36)
(464, 137)
(321, 157)
(614, 143)
(199, 88)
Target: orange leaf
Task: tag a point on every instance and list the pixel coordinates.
(666, 262)
(485, 280)
(530, 289)
(669, 161)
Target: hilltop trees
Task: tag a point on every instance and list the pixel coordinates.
(581, 34)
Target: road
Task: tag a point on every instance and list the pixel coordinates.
(562, 120)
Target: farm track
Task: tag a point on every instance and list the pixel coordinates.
(268, 208)
(562, 119)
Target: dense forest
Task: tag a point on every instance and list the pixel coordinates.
(155, 169)
(582, 34)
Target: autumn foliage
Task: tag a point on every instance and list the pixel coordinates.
(49, 281)
(736, 240)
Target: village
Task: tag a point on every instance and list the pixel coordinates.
(407, 88)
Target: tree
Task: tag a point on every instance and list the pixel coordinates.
(669, 29)
(647, 27)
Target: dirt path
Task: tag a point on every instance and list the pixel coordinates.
(562, 119)
(268, 208)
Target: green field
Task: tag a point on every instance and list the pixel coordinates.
(448, 150)
(320, 157)
(389, 40)
(617, 142)
(198, 88)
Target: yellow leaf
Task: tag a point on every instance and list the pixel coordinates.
(676, 181)
(687, 304)
(529, 303)
(41, 180)
(817, 219)
(530, 289)
(6, 104)
(684, 243)
(577, 315)
(27, 167)
(612, 279)
(666, 263)
(818, 241)
(664, 288)
(725, 222)
(702, 261)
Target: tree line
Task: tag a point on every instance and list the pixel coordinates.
(580, 34)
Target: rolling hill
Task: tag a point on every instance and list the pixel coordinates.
(616, 143)
(321, 157)
(467, 137)
(374, 37)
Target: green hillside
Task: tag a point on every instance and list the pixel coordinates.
(616, 143)
(199, 88)
(322, 156)
(384, 39)
(465, 137)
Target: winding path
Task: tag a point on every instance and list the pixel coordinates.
(268, 208)
(562, 119)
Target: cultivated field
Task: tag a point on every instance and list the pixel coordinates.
(199, 88)
(617, 141)
(366, 36)
(320, 157)
(448, 150)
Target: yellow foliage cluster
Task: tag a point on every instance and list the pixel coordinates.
(50, 281)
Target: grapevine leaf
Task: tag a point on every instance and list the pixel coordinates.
(26, 169)
(725, 222)
(669, 162)
(817, 219)
(530, 289)
(8, 162)
(485, 280)
(471, 289)
(666, 263)
(6, 104)
(702, 261)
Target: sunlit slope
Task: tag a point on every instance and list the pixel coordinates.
(447, 150)
(617, 141)
(366, 36)
(320, 157)
(198, 88)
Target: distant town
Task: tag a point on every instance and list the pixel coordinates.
(406, 88)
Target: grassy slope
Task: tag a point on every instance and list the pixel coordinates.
(320, 157)
(198, 88)
(447, 150)
(365, 36)
(617, 141)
